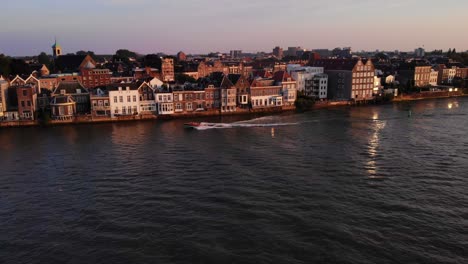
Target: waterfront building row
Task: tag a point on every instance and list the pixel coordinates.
(217, 93)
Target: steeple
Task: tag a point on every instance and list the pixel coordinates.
(56, 49)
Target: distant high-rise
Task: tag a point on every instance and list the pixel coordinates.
(181, 56)
(278, 52)
(293, 51)
(235, 54)
(56, 49)
(419, 52)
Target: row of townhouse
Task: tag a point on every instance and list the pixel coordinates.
(229, 93)
(422, 74)
(224, 93)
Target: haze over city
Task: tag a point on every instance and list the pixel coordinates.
(201, 26)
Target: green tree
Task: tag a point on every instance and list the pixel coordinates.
(152, 60)
(183, 78)
(19, 66)
(5, 69)
(124, 53)
(90, 53)
(43, 58)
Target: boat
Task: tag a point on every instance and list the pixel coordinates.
(192, 124)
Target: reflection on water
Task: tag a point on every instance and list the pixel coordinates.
(154, 192)
(373, 145)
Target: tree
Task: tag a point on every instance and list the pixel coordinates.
(43, 58)
(153, 61)
(5, 69)
(18, 66)
(183, 78)
(124, 53)
(90, 53)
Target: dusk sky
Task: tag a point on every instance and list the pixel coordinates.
(200, 26)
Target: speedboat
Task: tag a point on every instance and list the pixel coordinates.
(192, 124)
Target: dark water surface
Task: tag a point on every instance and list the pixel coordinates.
(360, 185)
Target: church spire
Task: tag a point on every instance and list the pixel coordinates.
(56, 49)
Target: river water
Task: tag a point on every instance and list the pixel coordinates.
(383, 184)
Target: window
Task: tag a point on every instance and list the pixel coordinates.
(115, 99)
(121, 99)
(25, 93)
(124, 110)
(135, 110)
(22, 103)
(116, 111)
(128, 99)
(134, 98)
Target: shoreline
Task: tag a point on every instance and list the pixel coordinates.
(82, 120)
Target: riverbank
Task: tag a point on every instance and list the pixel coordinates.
(89, 119)
(428, 95)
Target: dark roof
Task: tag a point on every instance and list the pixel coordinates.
(62, 100)
(36, 67)
(70, 88)
(115, 86)
(234, 77)
(226, 83)
(282, 76)
(336, 64)
(69, 63)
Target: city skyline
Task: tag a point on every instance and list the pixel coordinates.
(206, 26)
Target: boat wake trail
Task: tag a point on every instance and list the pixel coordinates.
(242, 124)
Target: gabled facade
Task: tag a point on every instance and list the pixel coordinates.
(242, 85)
(78, 93)
(228, 95)
(348, 79)
(288, 87)
(147, 100)
(27, 101)
(100, 103)
(17, 81)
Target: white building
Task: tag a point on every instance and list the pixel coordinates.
(264, 94)
(155, 83)
(164, 103)
(306, 81)
(124, 99)
(377, 85)
(319, 86)
(301, 78)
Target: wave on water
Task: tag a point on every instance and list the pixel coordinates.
(242, 124)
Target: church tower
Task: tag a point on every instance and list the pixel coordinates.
(56, 49)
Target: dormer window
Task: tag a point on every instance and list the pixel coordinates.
(128, 88)
(62, 92)
(120, 89)
(78, 91)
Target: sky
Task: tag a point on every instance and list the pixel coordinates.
(29, 27)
